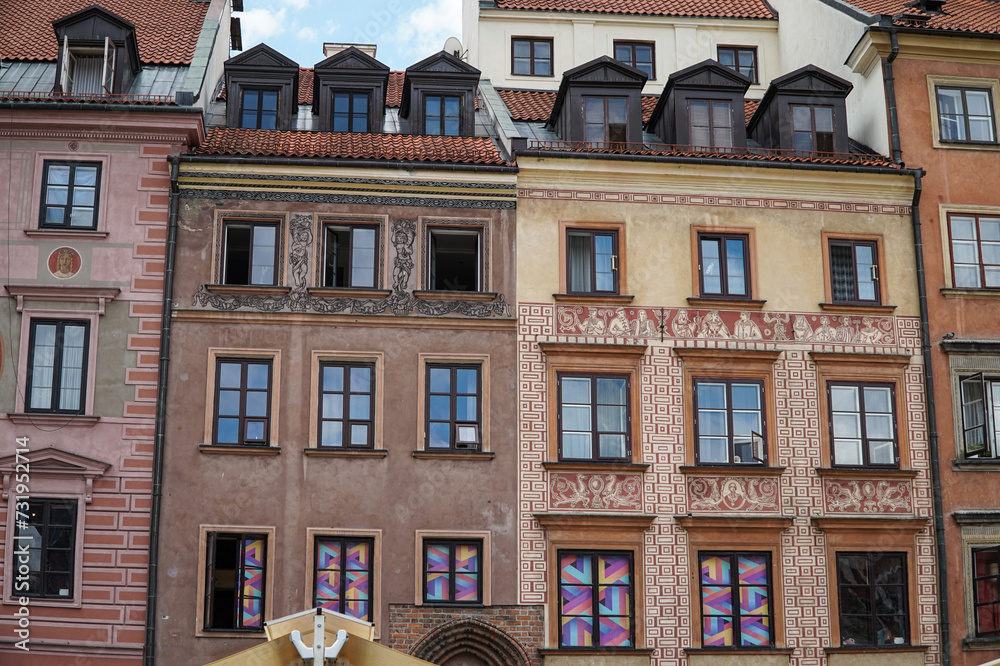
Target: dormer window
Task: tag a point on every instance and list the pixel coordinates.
(599, 102)
(812, 128)
(88, 70)
(606, 119)
(439, 97)
(711, 123)
(349, 92)
(98, 53)
(259, 109)
(261, 90)
(350, 111)
(442, 115)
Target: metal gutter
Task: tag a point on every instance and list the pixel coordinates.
(85, 106)
(344, 162)
(148, 656)
(890, 91)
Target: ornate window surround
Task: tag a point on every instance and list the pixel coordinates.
(979, 529)
(101, 227)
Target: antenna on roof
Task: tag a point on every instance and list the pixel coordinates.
(454, 47)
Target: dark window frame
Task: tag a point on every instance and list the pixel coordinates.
(453, 422)
(442, 117)
(872, 615)
(58, 366)
(722, 239)
(987, 412)
(712, 127)
(989, 581)
(242, 538)
(452, 575)
(68, 207)
(224, 277)
(595, 445)
(815, 134)
(965, 114)
(432, 259)
(532, 41)
(346, 394)
(854, 244)
(352, 116)
(242, 417)
(352, 227)
(595, 556)
(632, 61)
(45, 548)
(259, 109)
(730, 436)
(981, 264)
(592, 270)
(736, 50)
(607, 124)
(863, 426)
(737, 586)
(341, 601)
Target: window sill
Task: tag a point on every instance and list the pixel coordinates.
(65, 234)
(473, 456)
(731, 470)
(966, 145)
(593, 299)
(954, 292)
(860, 308)
(209, 633)
(980, 643)
(48, 602)
(226, 449)
(54, 420)
(343, 292)
(740, 650)
(329, 452)
(595, 652)
(731, 303)
(595, 466)
(976, 465)
(866, 472)
(246, 289)
(874, 649)
(431, 295)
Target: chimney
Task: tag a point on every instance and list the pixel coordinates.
(331, 48)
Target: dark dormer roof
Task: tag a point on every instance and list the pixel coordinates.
(91, 25)
(808, 81)
(603, 72)
(706, 75)
(262, 67)
(350, 68)
(262, 56)
(442, 69)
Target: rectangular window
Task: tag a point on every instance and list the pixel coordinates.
(975, 250)
(986, 590)
(966, 115)
(350, 112)
(980, 415)
(638, 55)
(596, 599)
(531, 56)
(737, 606)
(453, 572)
(243, 402)
(729, 422)
(442, 115)
(854, 273)
(812, 128)
(454, 261)
(70, 194)
(863, 424)
(605, 119)
(347, 411)
(57, 366)
(351, 253)
(592, 265)
(454, 409)
(872, 593)
(259, 109)
(742, 59)
(88, 70)
(594, 418)
(722, 266)
(234, 587)
(48, 530)
(711, 123)
(250, 253)
(344, 576)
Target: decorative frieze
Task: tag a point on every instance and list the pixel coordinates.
(730, 494)
(868, 496)
(595, 492)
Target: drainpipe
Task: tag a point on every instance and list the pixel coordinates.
(148, 656)
(890, 90)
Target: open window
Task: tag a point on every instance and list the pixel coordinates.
(98, 53)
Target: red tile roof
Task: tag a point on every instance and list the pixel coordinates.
(394, 91)
(394, 147)
(960, 15)
(750, 9)
(305, 85)
(166, 30)
(535, 106)
(749, 108)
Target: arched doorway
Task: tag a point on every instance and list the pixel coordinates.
(470, 642)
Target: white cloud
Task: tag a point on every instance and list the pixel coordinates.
(260, 25)
(307, 34)
(297, 4)
(423, 31)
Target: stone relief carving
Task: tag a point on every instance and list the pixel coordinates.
(401, 302)
(595, 491)
(843, 496)
(726, 493)
(641, 323)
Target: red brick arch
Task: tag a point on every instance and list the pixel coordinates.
(471, 636)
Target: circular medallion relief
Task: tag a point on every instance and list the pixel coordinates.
(65, 262)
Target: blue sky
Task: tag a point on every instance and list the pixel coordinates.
(406, 31)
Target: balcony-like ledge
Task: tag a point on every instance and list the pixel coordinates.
(223, 449)
(731, 470)
(952, 292)
(66, 234)
(726, 303)
(339, 292)
(246, 289)
(470, 456)
(874, 649)
(981, 643)
(610, 653)
(866, 473)
(430, 295)
(736, 652)
(54, 420)
(848, 308)
(329, 452)
(597, 467)
(593, 299)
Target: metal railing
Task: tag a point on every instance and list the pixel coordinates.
(30, 96)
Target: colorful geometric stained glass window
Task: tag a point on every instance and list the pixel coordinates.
(736, 608)
(344, 576)
(235, 586)
(453, 572)
(595, 599)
